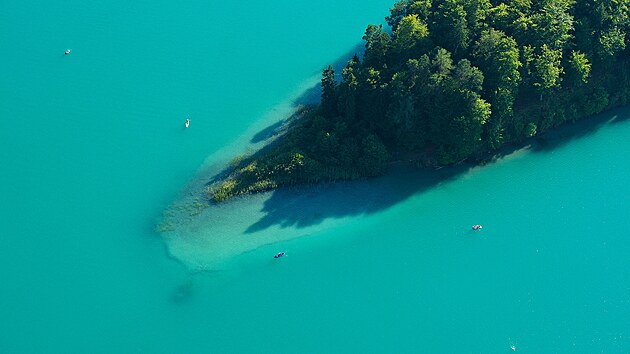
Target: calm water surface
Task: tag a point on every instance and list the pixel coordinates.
(93, 149)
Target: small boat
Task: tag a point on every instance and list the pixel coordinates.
(187, 123)
(66, 52)
(513, 347)
(280, 254)
(477, 227)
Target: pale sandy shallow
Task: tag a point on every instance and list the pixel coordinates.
(219, 233)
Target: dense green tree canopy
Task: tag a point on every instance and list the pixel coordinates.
(410, 37)
(450, 80)
(377, 44)
(547, 69)
(579, 68)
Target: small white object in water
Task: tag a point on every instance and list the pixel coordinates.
(513, 347)
(67, 52)
(187, 123)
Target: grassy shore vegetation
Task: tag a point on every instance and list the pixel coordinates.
(450, 80)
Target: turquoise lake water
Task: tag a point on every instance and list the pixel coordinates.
(93, 150)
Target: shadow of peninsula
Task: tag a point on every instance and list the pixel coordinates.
(312, 204)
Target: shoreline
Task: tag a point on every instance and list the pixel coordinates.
(420, 161)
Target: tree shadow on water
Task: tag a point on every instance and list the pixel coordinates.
(310, 205)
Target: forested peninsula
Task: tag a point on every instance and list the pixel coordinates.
(448, 81)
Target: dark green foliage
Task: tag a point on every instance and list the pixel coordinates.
(329, 92)
(547, 70)
(348, 90)
(601, 28)
(402, 8)
(450, 27)
(374, 157)
(456, 80)
(455, 98)
(410, 38)
(467, 76)
(596, 102)
(497, 56)
(551, 24)
(578, 69)
(376, 46)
